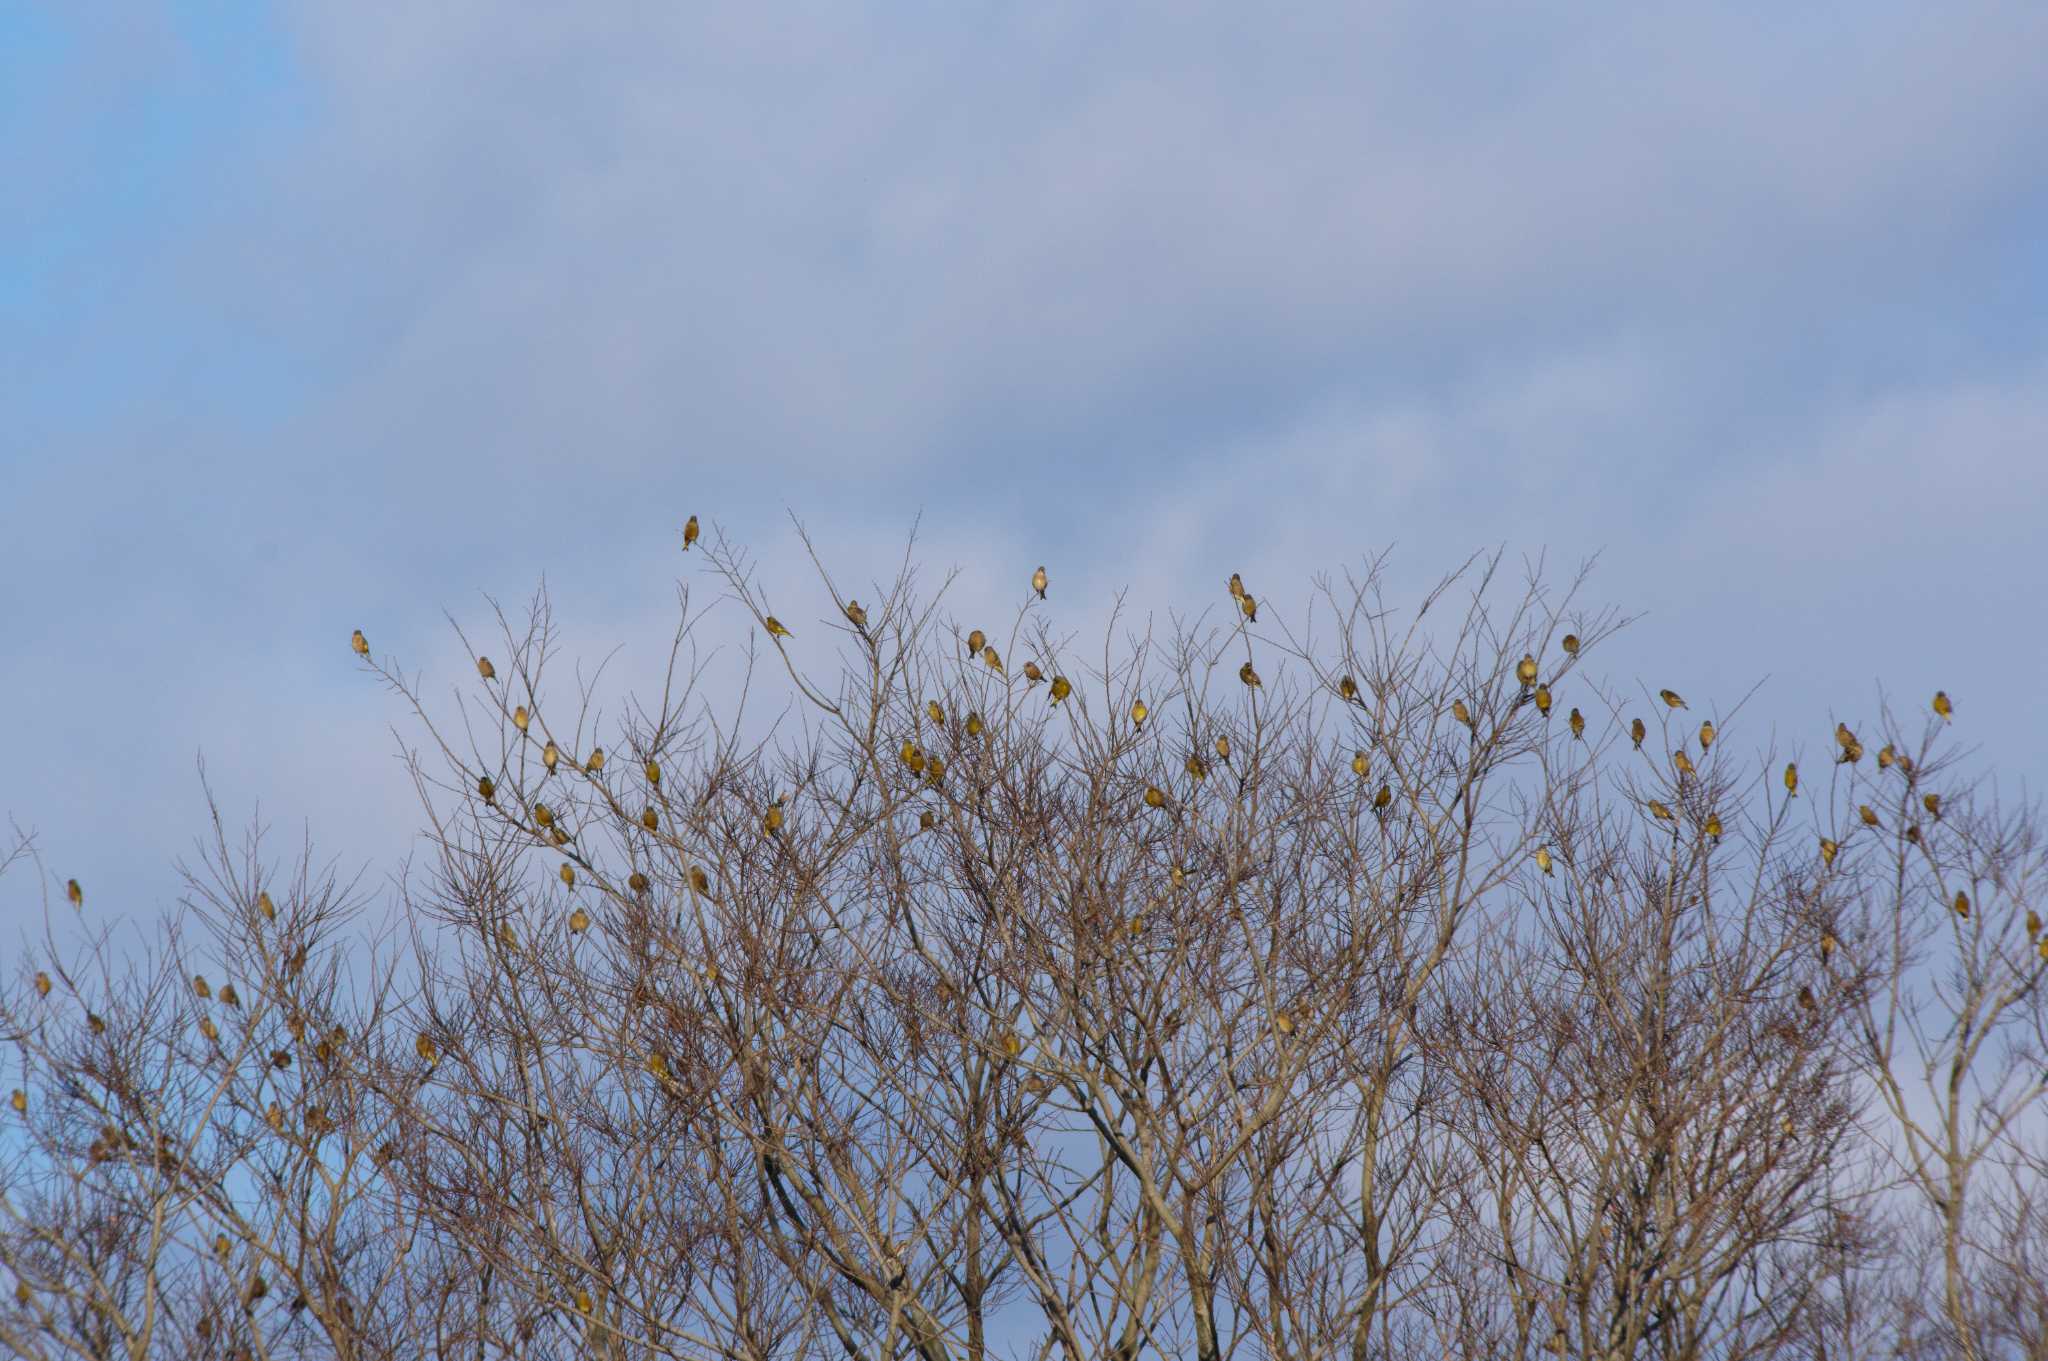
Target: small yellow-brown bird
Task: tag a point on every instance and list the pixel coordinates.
(1885, 756)
(1154, 796)
(520, 718)
(1660, 812)
(637, 882)
(1283, 1023)
(700, 882)
(1932, 803)
(1543, 700)
(359, 643)
(1578, 722)
(42, 984)
(1038, 581)
(1249, 606)
(1682, 761)
(1525, 669)
(549, 756)
(775, 628)
(1827, 946)
(1061, 688)
(1461, 713)
(976, 641)
(95, 1023)
(227, 995)
(19, 1100)
(1827, 850)
(265, 906)
(543, 815)
(1138, 712)
(1359, 765)
(200, 988)
(1962, 905)
(1236, 586)
(1943, 707)
(74, 893)
(1347, 689)
(1196, 768)
(857, 616)
(1223, 746)
(650, 819)
(1868, 814)
(1250, 677)
(579, 922)
(1032, 674)
(1807, 1000)
(1706, 734)
(1543, 858)
(487, 788)
(485, 669)
(1637, 731)
(1671, 699)
(2033, 923)
(689, 533)
(926, 820)
(771, 821)
(993, 658)
(974, 725)
(1383, 798)
(568, 873)
(1791, 779)
(1571, 645)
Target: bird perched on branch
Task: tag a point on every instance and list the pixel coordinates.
(1038, 581)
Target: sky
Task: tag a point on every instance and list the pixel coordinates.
(332, 315)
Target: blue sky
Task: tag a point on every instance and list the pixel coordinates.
(332, 315)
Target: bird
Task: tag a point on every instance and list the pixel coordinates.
(1249, 606)
(653, 773)
(549, 756)
(1461, 713)
(1671, 699)
(689, 533)
(520, 718)
(1525, 669)
(1542, 698)
(543, 815)
(1154, 796)
(976, 641)
(1038, 581)
(200, 987)
(1061, 688)
(1868, 814)
(568, 873)
(857, 616)
(1660, 812)
(1637, 731)
(775, 627)
(1706, 734)
(1543, 858)
(1250, 677)
(1962, 905)
(1138, 712)
(2033, 923)
(1807, 1000)
(1223, 746)
(1236, 586)
(1359, 765)
(993, 658)
(1932, 803)
(359, 643)
(1682, 761)
(579, 922)
(1571, 645)
(974, 725)
(1943, 707)
(771, 821)
(1828, 847)
(1383, 798)
(1032, 674)
(1347, 689)
(1196, 768)
(228, 997)
(1578, 721)
(265, 906)
(650, 819)
(424, 1047)
(700, 882)
(937, 714)
(42, 984)
(19, 1101)
(1827, 946)
(74, 893)
(1283, 1023)
(637, 882)
(1791, 780)
(485, 669)
(596, 761)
